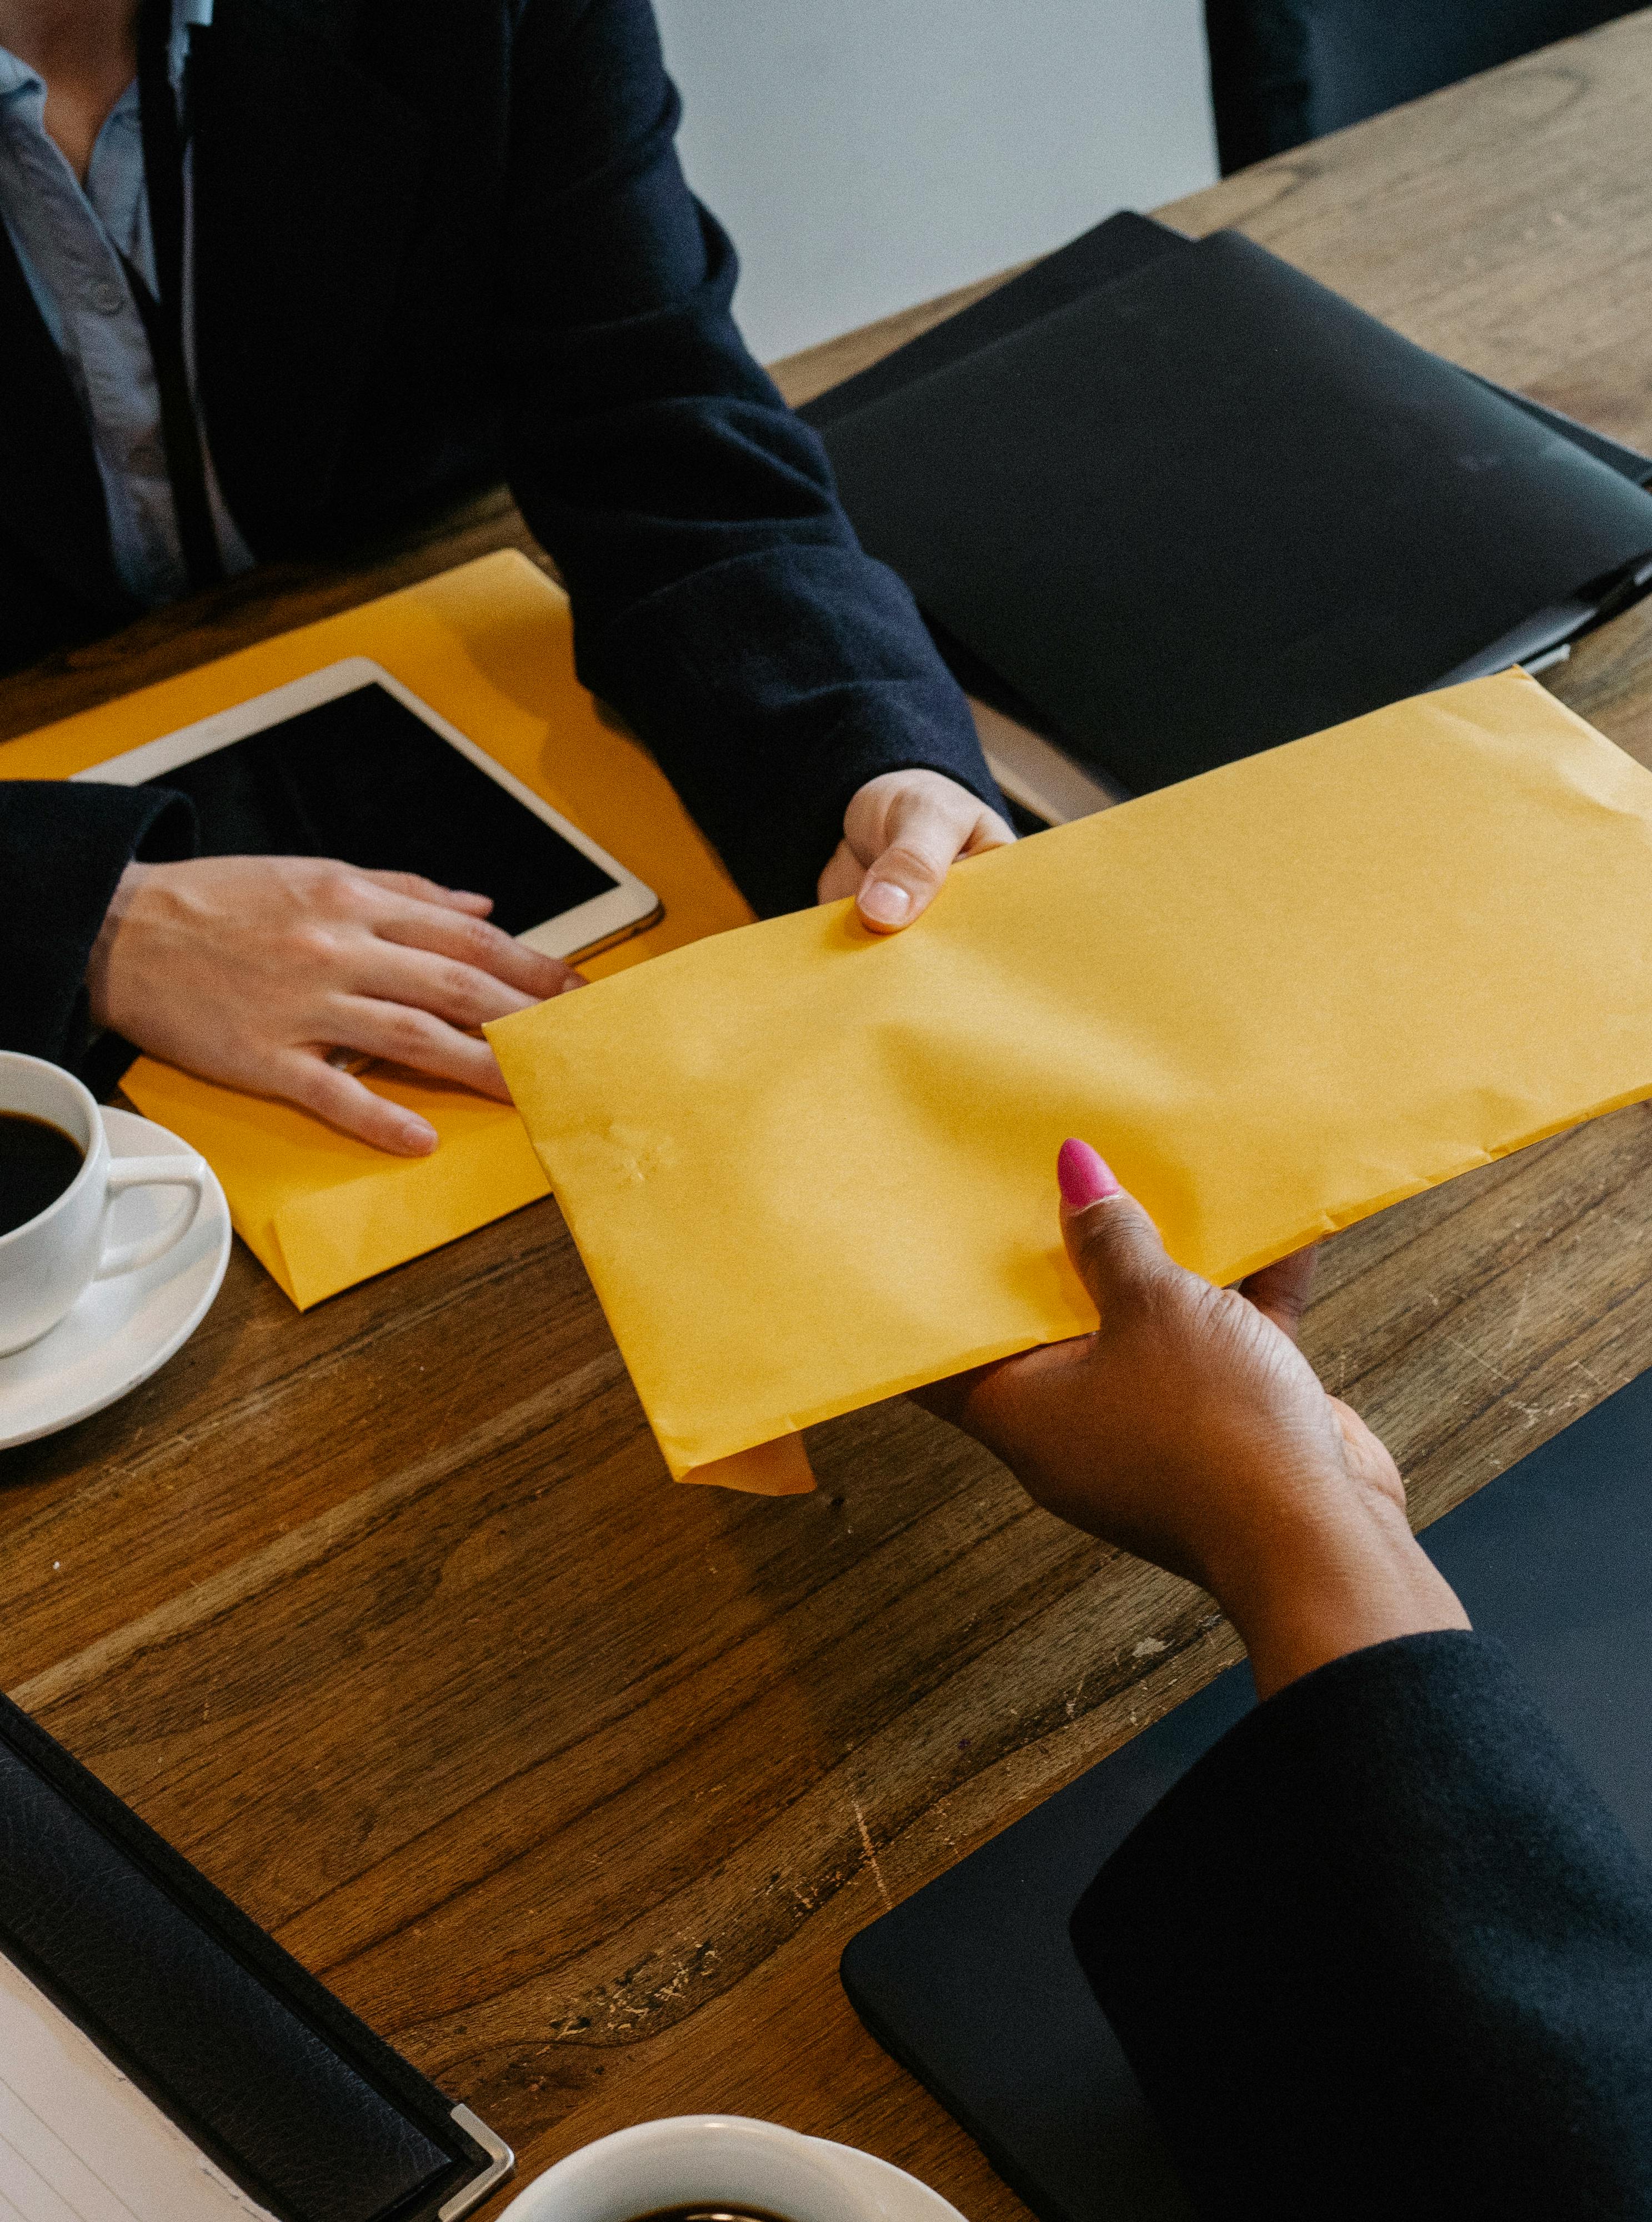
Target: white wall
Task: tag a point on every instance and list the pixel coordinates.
(867, 154)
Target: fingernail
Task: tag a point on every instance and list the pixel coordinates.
(1085, 1176)
(885, 904)
(420, 1136)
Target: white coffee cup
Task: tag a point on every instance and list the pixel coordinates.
(47, 1262)
(721, 2160)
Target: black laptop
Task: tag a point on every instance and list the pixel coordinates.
(1171, 501)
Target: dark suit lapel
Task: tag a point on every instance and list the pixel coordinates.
(306, 180)
(55, 496)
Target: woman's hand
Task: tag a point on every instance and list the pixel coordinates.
(901, 835)
(252, 970)
(1189, 1430)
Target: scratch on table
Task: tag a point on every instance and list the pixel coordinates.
(871, 1857)
(1519, 1312)
(1456, 1342)
(941, 1823)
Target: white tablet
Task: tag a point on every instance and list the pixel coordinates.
(349, 763)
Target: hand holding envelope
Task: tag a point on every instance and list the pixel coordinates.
(807, 1168)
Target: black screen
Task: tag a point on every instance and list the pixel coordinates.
(364, 779)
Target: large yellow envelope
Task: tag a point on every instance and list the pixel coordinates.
(808, 1169)
(489, 645)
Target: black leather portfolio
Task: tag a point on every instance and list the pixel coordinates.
(972, 1984)
(260, 2068)
(1172, 501)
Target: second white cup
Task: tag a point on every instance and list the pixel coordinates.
(714, 2160)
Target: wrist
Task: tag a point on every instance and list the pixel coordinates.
(98, 964)
(1317, 1587)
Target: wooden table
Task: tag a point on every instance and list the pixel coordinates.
(575, 1783)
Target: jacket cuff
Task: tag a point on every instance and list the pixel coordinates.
(771, 689)
(1384, 1951)
(64, 846)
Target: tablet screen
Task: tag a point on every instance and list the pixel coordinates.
(362, 779)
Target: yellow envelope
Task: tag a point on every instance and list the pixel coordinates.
(807, 1168)
(489, 645)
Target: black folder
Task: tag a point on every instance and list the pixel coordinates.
(972, 1984)
(1171, 501)
(310, 2112)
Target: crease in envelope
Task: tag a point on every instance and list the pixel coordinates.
(490, 646)
(808, 1168)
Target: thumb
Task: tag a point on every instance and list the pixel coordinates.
(1110, 1238)
(905, 878)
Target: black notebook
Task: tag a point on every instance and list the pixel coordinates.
(972, 1983)
(1172, 502)
(162, 2059)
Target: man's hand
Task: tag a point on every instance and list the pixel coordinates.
(252, 969)
(901, 835)
(1189, 1430)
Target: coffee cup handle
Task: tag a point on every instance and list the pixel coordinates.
(153, 1172)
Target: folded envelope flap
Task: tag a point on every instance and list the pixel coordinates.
(323, 1211)
(485, 1168)
(808, 1168)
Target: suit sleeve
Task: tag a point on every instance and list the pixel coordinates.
(721, 602)
(1384, 1952)
(63, 847)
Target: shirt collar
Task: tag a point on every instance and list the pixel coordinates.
(16, 76)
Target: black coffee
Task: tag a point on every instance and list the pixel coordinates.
(37, 1162)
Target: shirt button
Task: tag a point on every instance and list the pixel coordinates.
(107, 298)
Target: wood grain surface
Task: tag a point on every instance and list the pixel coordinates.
(575, 1783)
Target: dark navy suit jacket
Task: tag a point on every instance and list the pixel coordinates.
(438, 241)
(1384, 1953)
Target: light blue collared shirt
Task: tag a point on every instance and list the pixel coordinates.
(69, 240)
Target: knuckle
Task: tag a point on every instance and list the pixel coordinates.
(479, 941)
(496, 945)
(334, 883)
(407, 1034)
(310, 1085)
(472, 995)
(1134, 1262)
(459, 986)
(311, 945)
(913, 866)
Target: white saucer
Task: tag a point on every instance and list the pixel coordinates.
(901, 2197)
(121, 1331)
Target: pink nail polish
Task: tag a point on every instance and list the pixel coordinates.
(1085, 1176)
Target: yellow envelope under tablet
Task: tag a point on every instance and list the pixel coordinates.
(807, 1168)
(490, 646)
